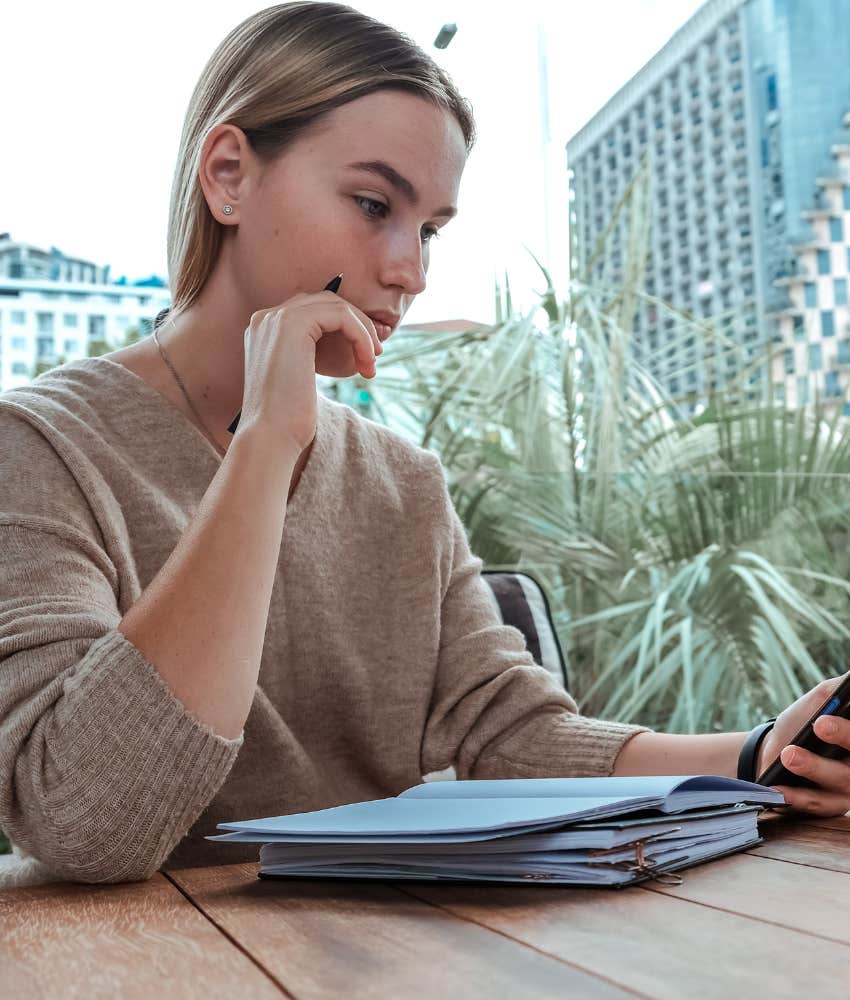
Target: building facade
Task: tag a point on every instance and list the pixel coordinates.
(734, 122)
(53, 308)
(812, 357)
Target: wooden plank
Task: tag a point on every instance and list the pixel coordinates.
(137, 940)
(660, 945)
(362, 940)
(833, 823)
(806, 844)
(813, 900)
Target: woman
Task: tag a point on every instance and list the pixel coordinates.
(198, 625)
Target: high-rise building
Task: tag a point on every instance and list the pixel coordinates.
(736, 120)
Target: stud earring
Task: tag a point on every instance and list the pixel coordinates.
(228, 210)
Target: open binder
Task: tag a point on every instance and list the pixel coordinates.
(568, 831)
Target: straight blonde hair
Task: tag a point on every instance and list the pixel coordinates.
(274, 76)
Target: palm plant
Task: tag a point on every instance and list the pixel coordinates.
(697, 567)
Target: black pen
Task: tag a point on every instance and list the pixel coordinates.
(331, 286)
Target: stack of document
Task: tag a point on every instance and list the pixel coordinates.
(569, 831)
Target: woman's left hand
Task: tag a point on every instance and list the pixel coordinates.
(831, 796)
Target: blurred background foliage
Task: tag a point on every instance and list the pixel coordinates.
(696, 564)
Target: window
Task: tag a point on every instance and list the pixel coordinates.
(841, 291)
(803, 389)
(799, 328)
(779, 391)
(811, 294)
(824, 263)
(19, 317)
(772, 100)
(815, 358)
(97, 326)
(844, 352)
(827, 323)
(19, 343)
(19, 368)
(45, 322)
(71, 346)
(831, 386)
(789, 362)
(70, 319)
(836, 229)
(845, 192)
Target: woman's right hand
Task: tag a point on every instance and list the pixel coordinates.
(280, 361)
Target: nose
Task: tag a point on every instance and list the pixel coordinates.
(405, 264)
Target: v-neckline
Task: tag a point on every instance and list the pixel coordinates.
(308, 473)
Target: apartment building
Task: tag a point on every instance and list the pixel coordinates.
(52, 307)
(734, 121)
(812, 359)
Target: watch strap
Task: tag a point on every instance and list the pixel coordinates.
(748, 758)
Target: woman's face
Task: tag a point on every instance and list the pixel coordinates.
(364, 193)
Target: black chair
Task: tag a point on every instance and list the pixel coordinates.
(522, 603)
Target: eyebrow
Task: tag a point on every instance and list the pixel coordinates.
(401, 184)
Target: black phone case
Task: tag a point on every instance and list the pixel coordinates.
(778, 774)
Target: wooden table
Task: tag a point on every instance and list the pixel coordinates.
(773, 922)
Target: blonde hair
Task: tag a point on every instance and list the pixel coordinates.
(275, 75)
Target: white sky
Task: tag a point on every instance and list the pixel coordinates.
(95, 93)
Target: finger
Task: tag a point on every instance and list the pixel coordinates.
(813, 801)
(341, 317)
(371, 326)
(833, 729)
(363, 345)
(828, 775)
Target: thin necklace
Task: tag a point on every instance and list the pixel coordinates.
(179, 382)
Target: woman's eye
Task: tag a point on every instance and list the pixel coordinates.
(374, 209)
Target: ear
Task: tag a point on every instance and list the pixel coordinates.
(226, 161)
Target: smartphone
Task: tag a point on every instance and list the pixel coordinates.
(838, 703)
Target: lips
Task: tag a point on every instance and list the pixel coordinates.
(385, 322)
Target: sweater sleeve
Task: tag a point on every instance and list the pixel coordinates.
(494, 712)
(102, 769)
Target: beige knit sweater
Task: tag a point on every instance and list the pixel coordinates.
(384, 659)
